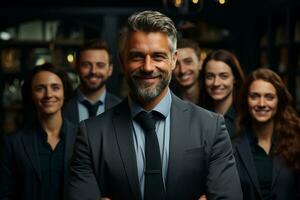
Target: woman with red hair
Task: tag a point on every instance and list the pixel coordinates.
(267, 150)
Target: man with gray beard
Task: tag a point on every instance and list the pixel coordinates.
(152, 145)
(94, 67)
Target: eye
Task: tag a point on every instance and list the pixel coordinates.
(39, 88)
(209, 76)
(253, 96)
(188, 61)
(135, 57)
(101, 65)
(224, 76)
(159, 57)
(56, 87)
(270, 97)
(85, 64)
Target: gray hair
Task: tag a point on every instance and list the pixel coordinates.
(149, 21)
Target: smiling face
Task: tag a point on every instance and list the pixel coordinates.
(47, 93)
(219, 80)
(187, 68)
(262, 101)
(147, 65)
(93, 68)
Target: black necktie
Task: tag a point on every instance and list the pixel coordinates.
(154, 186)
(92, 108)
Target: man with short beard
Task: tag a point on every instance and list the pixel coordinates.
(153, 145)
(94, 67)
(186, 83)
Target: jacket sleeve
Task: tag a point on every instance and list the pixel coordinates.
(83, 184)
(222, 179)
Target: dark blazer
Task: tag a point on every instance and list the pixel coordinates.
(229, 117)
(71, 112)
(20, 173)
(200, 160)
(285, 183)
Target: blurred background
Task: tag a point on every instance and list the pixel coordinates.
(262, 33)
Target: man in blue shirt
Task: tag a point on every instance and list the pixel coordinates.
(94, 67)
(152, 145)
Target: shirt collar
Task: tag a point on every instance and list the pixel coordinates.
(253, 140)
(43, 135)
(163, 107)
(81, 96)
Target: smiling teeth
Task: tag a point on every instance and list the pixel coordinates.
(261, 111)
(184, 77)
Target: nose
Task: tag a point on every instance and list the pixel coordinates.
(48, 92)
(93, 69)
(216, 81)
(261, 102)
(148, 64)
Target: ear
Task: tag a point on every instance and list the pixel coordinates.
(174, 60)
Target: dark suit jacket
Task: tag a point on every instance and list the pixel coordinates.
(71, 112)
(201, 158)
(285, 183)
(20, 173)
(229, 117)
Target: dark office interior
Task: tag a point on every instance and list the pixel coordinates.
(262, 33)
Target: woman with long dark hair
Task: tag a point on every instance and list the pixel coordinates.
(221, 77)
(267, 150)
(34, 161)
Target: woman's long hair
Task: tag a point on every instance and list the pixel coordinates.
(286, 121)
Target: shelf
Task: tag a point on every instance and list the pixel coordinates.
(43, 44)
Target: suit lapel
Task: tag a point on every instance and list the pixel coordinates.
(29, 139)
(244, 150)
(107, 101)
(123, 127)
(178, 126)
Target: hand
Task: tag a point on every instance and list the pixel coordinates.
(105, 198)
(203, 197)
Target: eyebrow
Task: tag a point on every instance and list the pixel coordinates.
(153, 52)
(221, 73)
(261, 94)
(51, 84)
(188, 59)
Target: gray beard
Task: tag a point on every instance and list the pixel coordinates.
(147, 93)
